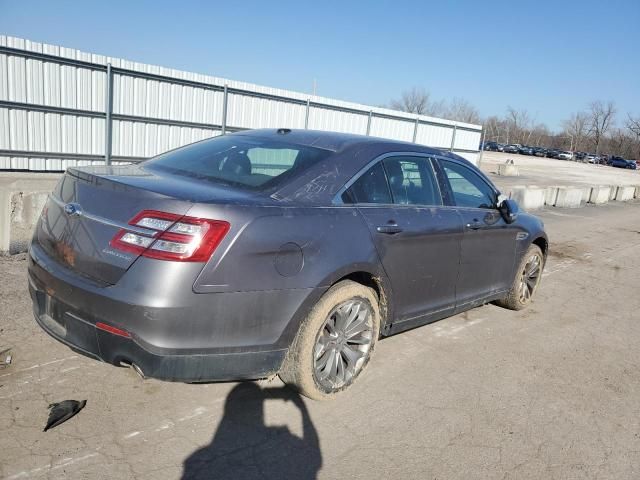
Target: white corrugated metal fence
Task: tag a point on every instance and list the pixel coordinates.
(59, 107)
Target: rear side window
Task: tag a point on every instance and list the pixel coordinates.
(469, 189)
(371, 187)
(242, 161)
(398, 180)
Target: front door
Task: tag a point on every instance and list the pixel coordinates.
(488, 245)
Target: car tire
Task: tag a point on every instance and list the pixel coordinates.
(321, 340)
(524, 286)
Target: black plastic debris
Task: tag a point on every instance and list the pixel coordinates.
(63, 411)
(5, 358)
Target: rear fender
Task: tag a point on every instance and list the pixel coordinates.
(378, 276)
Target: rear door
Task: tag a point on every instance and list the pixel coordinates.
(417, 238)
(488, 247)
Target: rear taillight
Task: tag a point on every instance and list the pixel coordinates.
(171, 236)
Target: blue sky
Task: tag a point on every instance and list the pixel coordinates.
(551, 58)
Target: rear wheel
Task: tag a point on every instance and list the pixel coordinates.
(335, 342)
(526, 280)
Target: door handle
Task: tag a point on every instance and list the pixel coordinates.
(475, 225)
(388, 229)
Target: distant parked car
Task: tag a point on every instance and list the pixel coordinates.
(592, 158)
(620, 162)
(580, 156)
(525, 150)
(511, 149)
(493, 147)
(540, 152)
(552, 153)
(565, 155)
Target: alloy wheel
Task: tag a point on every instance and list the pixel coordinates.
(530, 278)
(343, 344)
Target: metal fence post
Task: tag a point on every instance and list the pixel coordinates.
(415, 129)
(108, 122)
(484, 132)
(225, 101)
(369, 123)
(453, 138)
(306, 117)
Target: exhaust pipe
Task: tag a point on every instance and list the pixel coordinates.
(134, 367)
(138, 370)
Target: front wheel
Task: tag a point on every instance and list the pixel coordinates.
(335, 341)
(526, 280)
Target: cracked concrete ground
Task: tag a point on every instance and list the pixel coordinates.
(549, 392)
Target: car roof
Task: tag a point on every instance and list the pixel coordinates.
(350, 154)
(333, 141)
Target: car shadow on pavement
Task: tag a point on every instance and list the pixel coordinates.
(244, 447)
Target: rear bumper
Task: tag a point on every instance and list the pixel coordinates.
(199, 348)
(83, 337)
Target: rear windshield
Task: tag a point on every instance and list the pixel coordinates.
(241, 161)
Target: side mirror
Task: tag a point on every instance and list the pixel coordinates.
(509, 210)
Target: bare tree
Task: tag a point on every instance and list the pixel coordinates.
(437, 108)
(519, 125)
(462, 111)
(540, 135)
(415, 100)
(576, 128)
(496, 130)
(418, 100)
(601, 119)
(620, 143)
(633, 124)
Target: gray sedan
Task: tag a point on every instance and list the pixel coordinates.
(274, 252)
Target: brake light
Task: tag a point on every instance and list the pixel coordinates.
(171, 237)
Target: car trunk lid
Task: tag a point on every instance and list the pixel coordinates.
(90, 206)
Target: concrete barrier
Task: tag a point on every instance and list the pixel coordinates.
(22, 197)
(569, 197)
(586, 194)
(508, 170)
(529, 198)
(625, 193)
(600, 194)
(550, 196)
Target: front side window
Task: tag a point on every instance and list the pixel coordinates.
(469, 189)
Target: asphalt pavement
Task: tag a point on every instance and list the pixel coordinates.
(549, 392)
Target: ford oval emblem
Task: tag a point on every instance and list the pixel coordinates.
(72, 209)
